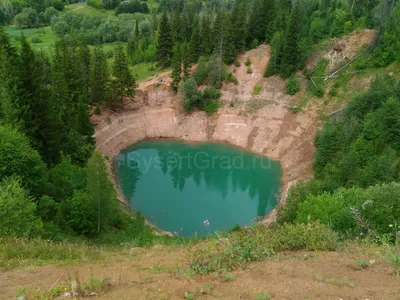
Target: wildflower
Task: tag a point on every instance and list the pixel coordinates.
(361, 233)
(206, 223)
(390, 225)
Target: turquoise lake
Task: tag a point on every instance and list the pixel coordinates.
(190, 189)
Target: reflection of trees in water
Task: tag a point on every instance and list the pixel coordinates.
(182, 163)
(129, 173)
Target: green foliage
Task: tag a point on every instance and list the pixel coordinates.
(99, 76)
(95, 3)
(165, 44)
(316, 83)
(191, 95)
(292, 85)
(256, 89)
(389, 48)
(19, 160)
(124, 83)
(101, 195)
(17, 212)
(360, 147)
(263, 296)
(28, 17)
(256, 243)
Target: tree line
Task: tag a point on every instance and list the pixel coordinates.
(48, 166)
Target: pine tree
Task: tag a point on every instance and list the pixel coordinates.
(100, 75)
(176, 68)
(100, 190)
(124, 83)
(292, 55)
(165, 43)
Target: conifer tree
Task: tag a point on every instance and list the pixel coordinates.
(83, 124)
(239, 26)
(176, 68)
(124, 83)
(84, 60)
(229, 47)
(292, 55)
(185, 60)
(165, 43)
(100, 75)
(131, 48)
(195, 42)
(206, 36)
(137, 33)
(9, 82)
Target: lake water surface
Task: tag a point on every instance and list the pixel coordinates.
(197, 188)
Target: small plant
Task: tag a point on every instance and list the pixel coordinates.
(393, 256)
(20, 292)
(340, 281)
(249, 70)
(97, 110)
(189, 296)
(228, 277)
(206, 289)
(292, 85)
(256, 89)
(237, 63)
(263, 296)
(362, 264)
(248, 62)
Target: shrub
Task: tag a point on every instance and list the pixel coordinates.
(248, 62)
(292, 85)
(237, 63)
(256, 89)
(258, 242)
(211, 93)
(249, 70)
(192, 96)
(212, 107)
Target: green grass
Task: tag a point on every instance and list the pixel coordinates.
(144, 70)
(44, 33)
(82, 8)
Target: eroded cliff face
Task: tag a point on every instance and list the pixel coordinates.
(261, 123)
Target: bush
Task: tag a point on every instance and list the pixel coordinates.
(256, 89)
(292, 85)
(212, 106)
(248, 62)
(249, 70)
(237, 63)
(228, 77)
(192, 96)
(258, 242)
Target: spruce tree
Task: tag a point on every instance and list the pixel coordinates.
(84, 60)
(9, 83)
(239, 26)
(195, 42)
(291, 57)
(187, 64)
(131, 48)
(229, 47)
(137, 33)
(165, 43)
(100, 75)
(176, 68)
(124, 83)
(206, 36)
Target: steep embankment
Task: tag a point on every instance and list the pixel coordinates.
(261, 122)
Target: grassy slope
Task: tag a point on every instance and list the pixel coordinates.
(140, 71)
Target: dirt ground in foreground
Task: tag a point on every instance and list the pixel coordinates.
(161, 273)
